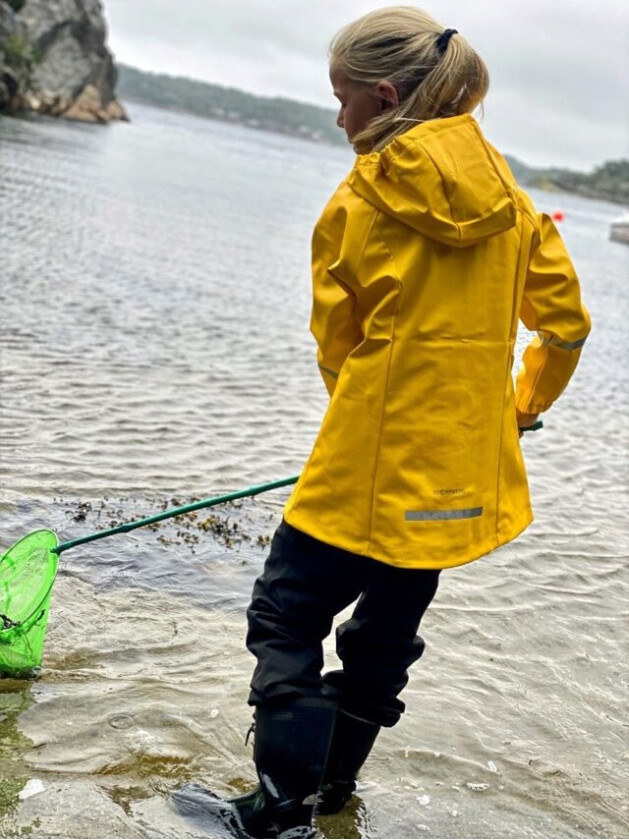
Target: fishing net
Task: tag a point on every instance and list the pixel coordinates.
(27, 573)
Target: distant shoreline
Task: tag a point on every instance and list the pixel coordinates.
(608, 182)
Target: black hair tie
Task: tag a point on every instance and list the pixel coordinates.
(444, 39)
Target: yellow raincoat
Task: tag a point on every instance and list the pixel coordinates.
(423, 261)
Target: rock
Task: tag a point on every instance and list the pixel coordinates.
(87, 107)
(115, 111)
(9, 85)
(30, 101)
(53, 103)
(8, 23)
(14, 57)
(67, 69)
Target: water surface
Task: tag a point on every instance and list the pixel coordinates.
(154, 325)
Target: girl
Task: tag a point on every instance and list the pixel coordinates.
(423, 261)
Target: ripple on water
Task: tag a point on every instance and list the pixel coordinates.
(154, 336)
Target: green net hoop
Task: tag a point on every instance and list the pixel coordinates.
(27, 573)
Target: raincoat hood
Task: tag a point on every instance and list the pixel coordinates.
(442, 179)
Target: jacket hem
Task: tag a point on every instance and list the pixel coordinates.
(308, 527)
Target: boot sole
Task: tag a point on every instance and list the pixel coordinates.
(209, 810)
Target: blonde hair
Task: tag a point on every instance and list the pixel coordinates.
(399, 45)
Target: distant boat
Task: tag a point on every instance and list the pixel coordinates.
(619, 229)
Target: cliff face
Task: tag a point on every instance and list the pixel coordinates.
(54, 60)
(13, 63)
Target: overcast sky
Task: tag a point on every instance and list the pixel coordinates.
(559, 69)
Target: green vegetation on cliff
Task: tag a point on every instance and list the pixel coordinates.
(610, 181)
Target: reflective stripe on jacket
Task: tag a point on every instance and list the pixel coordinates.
(423, 262)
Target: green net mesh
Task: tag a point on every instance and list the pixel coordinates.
(27, 573)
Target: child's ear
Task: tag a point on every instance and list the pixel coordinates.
(389, 96)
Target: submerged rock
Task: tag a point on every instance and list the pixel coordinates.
(54, 60)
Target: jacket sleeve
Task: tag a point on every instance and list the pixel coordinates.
(551, 306)
(334, 325)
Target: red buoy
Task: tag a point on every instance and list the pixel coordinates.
(558, 216)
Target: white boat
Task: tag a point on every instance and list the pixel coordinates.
(619, 229)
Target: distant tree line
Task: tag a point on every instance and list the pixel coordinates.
(285, 116)
(610, 181)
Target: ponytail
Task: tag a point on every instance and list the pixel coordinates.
(436, 72)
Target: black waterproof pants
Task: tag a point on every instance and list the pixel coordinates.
(305, 583)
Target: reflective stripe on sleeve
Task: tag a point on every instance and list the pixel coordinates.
(423, 515)
(563, 345)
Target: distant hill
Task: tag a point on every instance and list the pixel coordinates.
(284, 116)
(609, 182)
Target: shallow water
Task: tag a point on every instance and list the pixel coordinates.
(154, 310)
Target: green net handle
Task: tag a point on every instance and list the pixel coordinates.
(534, 428)
(169, 514)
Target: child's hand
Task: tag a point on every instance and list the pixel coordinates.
(525, 420)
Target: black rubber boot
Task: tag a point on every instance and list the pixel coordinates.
(291, 746)
(352, 741)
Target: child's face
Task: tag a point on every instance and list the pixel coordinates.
(359, 104)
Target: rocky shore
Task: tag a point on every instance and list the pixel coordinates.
(54, 60)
